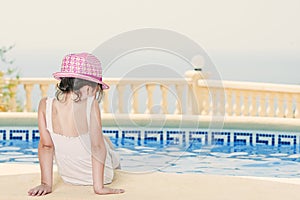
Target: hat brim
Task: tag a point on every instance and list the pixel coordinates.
(59, 75)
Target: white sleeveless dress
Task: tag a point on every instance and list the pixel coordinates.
(73, 155)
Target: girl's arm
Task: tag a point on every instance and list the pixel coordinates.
(45, 153)
(98, 153)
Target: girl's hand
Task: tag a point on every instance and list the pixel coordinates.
(39, 190)
(106, 190)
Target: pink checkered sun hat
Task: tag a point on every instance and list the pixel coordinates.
(83, 65)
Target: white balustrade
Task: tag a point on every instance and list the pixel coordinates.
(202, 96)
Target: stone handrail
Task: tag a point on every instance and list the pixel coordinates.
(232, 98)
(192, 95)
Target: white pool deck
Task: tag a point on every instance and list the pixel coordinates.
(16, 179)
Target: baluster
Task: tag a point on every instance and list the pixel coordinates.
(245, 106)
(44, 89)
(164, 100)
(135, 100)
(120, 89)
(204, 106)
(289, 106)
(262, 105)
(228, 106)
(13, 91)
(105, 103)
(213, 110)
(237, 105)
(297, 109)
(271, 105)
(28, 105)
(179, 91)
(221, 102)
(150, 88)
(280, 105)
(253, 106)
(191, 101)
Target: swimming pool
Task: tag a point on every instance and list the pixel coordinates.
(228, 152)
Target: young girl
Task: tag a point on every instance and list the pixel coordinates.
(70, 128)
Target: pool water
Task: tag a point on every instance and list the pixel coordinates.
(142, 157)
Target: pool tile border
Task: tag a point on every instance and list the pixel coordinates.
(179, 137)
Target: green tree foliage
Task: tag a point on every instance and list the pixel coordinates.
(8, 79)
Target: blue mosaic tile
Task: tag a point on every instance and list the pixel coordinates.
(3, 134)
(290, 140)
(262, 138)
(131, 134)
(175, 137)
(153, 135)
(198, 137)
(19, 134)
(111, 133)
(240, 138)
(221, 138)
(35, 135)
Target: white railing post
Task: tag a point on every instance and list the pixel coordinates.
(253, 106)
(245, 106)
(120, 89)
(179, 91)
(237, 105)
(190, 104)
(262, 105)
(134, 100)
(271, 105)
(28, 104)
(297, 109)
(150, 88)
(280, 105)
(164, 102)
(289, 106)
(196, 91)
(228, 106)
(221, 102)
(204, 101)
(44, 89)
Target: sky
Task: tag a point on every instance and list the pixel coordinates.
(247, 40)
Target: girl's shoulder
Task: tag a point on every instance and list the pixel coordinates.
(43, 103)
